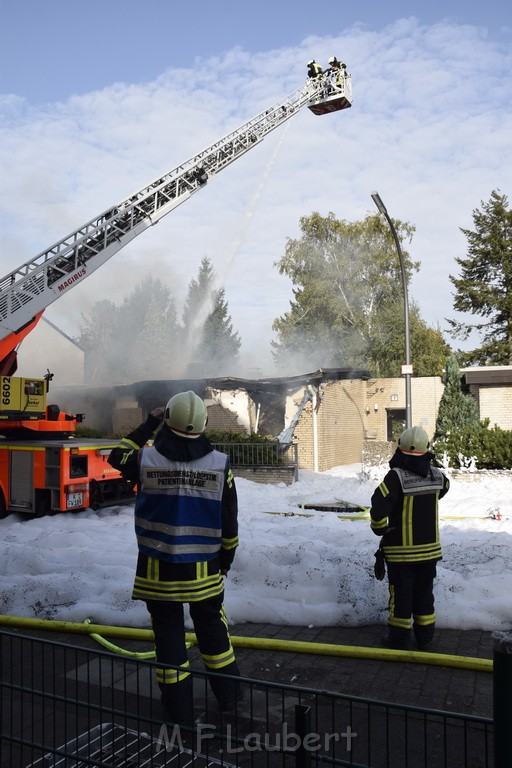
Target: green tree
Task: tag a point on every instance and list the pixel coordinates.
(386, 351)
(485, 285)
(212, 346)
(457, 410)
(348, 304)
(148, 326)
(96, 338)
(134, 340)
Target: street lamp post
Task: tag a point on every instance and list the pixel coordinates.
(407, 368)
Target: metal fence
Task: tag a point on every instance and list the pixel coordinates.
(264, 454)
(70, 706)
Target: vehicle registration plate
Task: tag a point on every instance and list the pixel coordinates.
(75, 500)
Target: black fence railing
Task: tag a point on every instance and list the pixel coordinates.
(64, 706)
(264, 454)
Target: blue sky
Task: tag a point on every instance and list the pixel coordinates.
(99, 98)
(51, 50)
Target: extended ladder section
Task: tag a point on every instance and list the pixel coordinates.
(28, 290)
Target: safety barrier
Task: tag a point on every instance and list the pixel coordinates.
(264, 462)
(64, 705)
(268, 453)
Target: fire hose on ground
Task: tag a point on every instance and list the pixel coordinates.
(97, 632)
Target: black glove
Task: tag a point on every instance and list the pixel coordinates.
(379, 568)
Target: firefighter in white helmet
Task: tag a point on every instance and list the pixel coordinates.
(334, 64)
(187, 532)
(404, 511)
(337, 70)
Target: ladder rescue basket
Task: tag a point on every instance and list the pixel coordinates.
(336, 96)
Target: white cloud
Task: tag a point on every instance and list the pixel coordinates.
(429, 129)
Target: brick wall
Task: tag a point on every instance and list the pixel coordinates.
(382, 395)
(376, 452)
(125, 420)
(266, 474)
(495, 404)
(337, 421)
(348, 414)
(221, 419)
(351, 419)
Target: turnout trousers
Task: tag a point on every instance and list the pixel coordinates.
(411, 602)
(215, 647)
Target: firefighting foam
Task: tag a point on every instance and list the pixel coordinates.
(290, 568)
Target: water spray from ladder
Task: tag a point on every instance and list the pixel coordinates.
(196, 330)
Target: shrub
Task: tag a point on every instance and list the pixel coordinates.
(485, 448)
(88, 432)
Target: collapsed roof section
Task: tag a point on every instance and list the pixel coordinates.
(285, 384)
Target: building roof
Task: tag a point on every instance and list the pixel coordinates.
(488, 375)
(289, 383)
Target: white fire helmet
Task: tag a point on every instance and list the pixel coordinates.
(186, 415)
(414, 441)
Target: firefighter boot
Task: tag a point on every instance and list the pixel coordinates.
(178, 703)
(227, 691)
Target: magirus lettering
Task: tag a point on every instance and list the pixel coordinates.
(66, 283)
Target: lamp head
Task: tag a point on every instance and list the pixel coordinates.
(378, 202)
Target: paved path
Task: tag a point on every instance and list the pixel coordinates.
(423, 685)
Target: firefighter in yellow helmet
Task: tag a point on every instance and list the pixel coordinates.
(314, 69)
(187, 532)
(404, 511)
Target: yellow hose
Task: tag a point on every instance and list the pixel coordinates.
(261, 643)
(117, 649)
(123, 651)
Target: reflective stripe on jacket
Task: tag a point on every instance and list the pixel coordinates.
(405, 510)
(178, 514)
(176, 582)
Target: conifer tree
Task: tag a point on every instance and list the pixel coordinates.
(457, 410)
(485, 284)
(148, 330)
(96, 338)
(133, 340)
(212, 346)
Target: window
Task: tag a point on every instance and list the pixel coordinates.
(395, 423)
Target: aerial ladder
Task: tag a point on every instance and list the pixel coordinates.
(27, 291)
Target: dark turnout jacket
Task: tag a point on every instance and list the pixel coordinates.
(404, 509)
